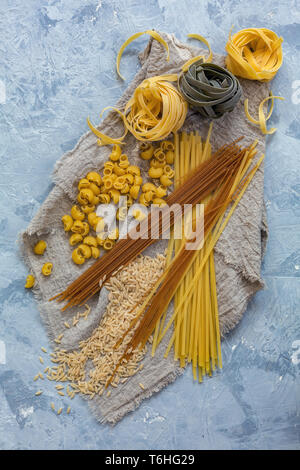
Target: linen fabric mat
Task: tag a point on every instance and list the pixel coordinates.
(238, 253)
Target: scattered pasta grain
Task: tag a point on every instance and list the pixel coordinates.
(38, 393)
(126, 289)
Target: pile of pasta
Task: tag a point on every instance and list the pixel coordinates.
(156, 110)
(196, 335)
(121, 184)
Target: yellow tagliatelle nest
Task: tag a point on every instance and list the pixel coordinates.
(154, 111)
(254, 53)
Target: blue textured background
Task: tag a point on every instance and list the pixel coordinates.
(57, 63)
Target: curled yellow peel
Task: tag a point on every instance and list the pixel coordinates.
(195, 59)
(153, 34)
(262, 118)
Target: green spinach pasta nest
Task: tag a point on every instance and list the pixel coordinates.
(210, 89)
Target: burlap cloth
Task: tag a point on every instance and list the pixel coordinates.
(238, 253)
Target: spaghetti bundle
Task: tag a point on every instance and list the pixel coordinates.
(231, 188)
(210, 89)
(202, 181)
(254, 53)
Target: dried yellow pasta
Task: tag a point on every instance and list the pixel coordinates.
(254, 53)
(153, 34)
(262, 118)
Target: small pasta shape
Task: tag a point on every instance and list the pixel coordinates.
(85, 250)
(168, 171)
(68, 223)
(134, 170)
(78, 257)
(139, 215)
(119, 171)
(167, 145)
(147, 151)
(90, 241)
(95, 252)
(104, 198)
(156, 164)
(116, 153)
(122, 213)
(148, 187)
(101, 237)
(155, 172)
(95, 200)
(159, 202)
(95, 189)
(161, 192)
(123, 163)
(75, 238)
(114, 234)
(100, 225)
(115, 195)
(92, 218)
(47, 269)
(170, 157)
(143, 201)
(149, 196)
(129, 200)
(160, 155)
(109, 164)
(30, 280)
(108, 183)
(134, 191)
(125, 189)
(86, 229)
(85, 196)
(76, 213)
(165, 181)
(129, 178)
(107, 171)
(108, 244)
(138, 180)
(77, 227)
(94, 177)
(119, 182)
(83, 183)
(87, 209)
(40, 246)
